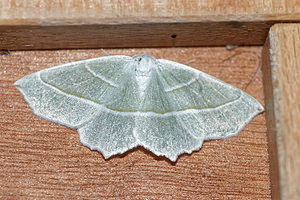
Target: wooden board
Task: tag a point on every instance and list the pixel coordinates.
(282, 90)
(43, 160)
(59, 24)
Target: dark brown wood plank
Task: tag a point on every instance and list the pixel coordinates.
(134, 35)
(40, 159)
(58, 24)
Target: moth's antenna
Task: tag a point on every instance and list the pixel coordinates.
(190, 61)
(254, 76)
(105, 52)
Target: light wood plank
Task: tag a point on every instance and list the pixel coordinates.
(282, 97)
(55, 12)
(53, 24)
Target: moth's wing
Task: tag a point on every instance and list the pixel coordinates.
(165, 136)
(111, 131)
(162, 134)
(78, 95)
(71, 94)
(196, 107)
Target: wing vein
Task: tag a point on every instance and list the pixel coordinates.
(136, 113)
(223, 97)
(77, 97)
(102, 78)
(182, 85)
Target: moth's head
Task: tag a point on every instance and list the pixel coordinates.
(144, 64)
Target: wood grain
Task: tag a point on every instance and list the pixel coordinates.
(44, 160)
(49, 12)
(53, 24)
(282, 90)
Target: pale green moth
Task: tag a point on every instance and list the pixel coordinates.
(119, 102)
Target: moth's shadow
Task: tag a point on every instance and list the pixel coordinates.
(148, 153)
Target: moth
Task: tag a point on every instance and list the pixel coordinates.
(119, 102)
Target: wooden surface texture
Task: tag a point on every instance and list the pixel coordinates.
(55, 12)
(43, 160)
(60, 24)
(282, 89)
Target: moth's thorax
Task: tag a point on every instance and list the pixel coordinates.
(144, 65)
